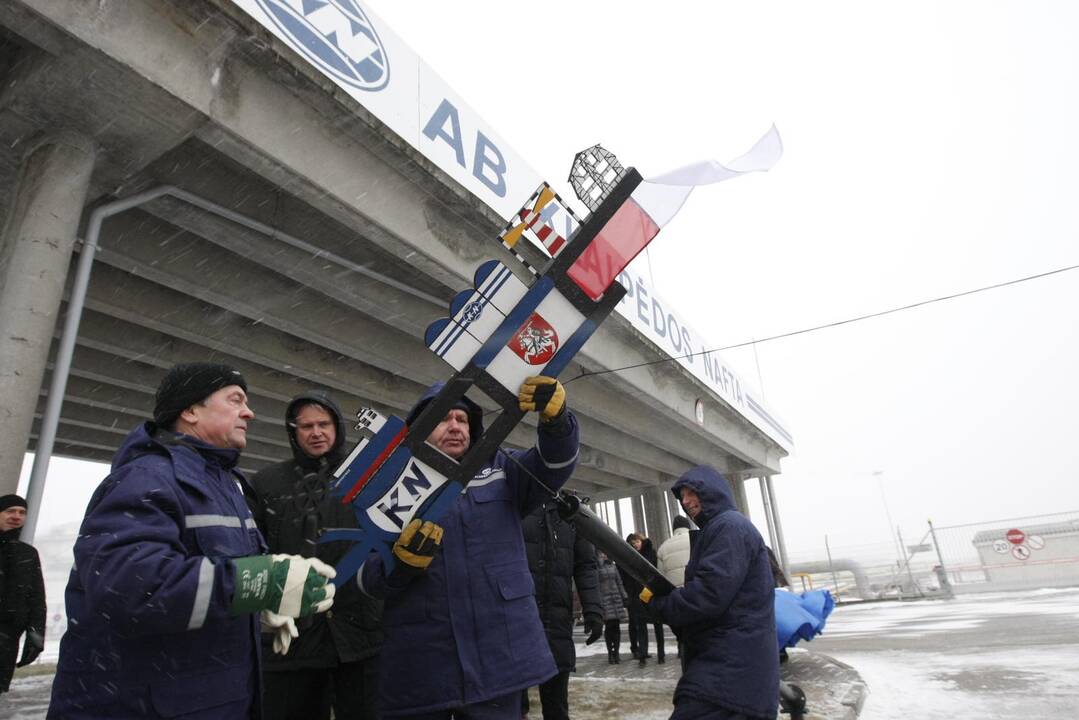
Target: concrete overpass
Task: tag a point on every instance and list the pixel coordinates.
(304, 242)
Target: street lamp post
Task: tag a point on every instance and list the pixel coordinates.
(893, 529)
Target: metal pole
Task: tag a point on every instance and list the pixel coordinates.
(784, 559)
(945, 581)
(880, 485)
(58, 385)
(910, 575)
(835, 579)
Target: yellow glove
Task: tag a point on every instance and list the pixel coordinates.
(645, 596)
(543, 394)
(418, 544)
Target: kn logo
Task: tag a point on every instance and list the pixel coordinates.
(536, 342)
(472, 311)
(336, 36)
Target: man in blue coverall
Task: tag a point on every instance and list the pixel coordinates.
(171, 576)
(463, 634)
(724, 615)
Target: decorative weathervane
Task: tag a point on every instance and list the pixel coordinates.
(500, 331)
(594, 174)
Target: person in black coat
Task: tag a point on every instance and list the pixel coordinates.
(648, 550)
(22, 592)
(559, 559)
(334, 659)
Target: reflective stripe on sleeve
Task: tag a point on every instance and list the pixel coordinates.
(202, 595)
(249, 523)
(557, 466)
(202, 521)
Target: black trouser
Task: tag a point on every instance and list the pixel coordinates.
(638, 632)
(350, 688)
(612, 635)
(660, 649)
(554, 698)
(9, 650)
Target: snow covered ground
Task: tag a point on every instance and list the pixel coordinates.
(1003, 655)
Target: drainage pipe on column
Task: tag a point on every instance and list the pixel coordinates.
(58, 386)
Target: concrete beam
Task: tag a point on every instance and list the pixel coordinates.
(37, 243)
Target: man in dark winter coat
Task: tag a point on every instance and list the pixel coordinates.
(333, 661)
(171, 576)
(22, 592)
(725, 613)
(559, 559)
(463, 635)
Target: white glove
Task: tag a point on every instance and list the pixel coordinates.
(283, 627)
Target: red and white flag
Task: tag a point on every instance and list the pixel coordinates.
(652, 205)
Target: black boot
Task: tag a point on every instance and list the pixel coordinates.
(612, 657)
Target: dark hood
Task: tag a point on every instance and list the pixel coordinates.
(336, 453)
(711, 487)
(475, 412)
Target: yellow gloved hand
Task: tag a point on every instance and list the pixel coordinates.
(543, 394)
(645, 596)
(418, 544)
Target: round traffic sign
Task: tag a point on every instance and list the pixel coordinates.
(1001, 546)
(1020, 552)
(1035, 542)
(1016, 536)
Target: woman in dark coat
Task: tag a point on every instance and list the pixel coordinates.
(613, 596)
(648, 550)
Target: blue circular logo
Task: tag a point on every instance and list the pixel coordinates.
(336, 36)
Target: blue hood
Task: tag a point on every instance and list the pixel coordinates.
(711, 487)
(148, 438)
(475, 412)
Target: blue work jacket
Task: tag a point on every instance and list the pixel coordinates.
(150, 634)
(724, 614)
(468, 629)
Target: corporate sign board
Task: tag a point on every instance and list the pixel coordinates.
(366, 59)
(657, 320)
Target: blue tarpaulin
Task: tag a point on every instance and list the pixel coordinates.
(801, 616)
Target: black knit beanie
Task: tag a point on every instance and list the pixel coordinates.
(10, 501)
(190, 383)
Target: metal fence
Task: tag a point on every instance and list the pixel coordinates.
(1010, 554)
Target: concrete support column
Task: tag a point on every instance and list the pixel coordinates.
(655, 512)
(738, 490)
(674, 508)
(37, 244)
(766, 503)
(781, 543)
(638, 514)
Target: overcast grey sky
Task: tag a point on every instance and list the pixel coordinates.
(930, 148)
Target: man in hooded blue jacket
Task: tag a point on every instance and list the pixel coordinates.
(724, 614)
(463, 637)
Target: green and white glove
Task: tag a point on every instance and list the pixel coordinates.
(284, 584)
(283, 627)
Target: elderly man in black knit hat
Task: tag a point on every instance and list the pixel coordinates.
(171, 575)
(22, 592)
